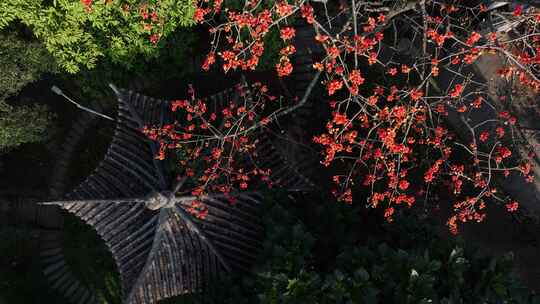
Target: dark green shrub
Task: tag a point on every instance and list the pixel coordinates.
(429, 269)
(22, 124)
(22, 62)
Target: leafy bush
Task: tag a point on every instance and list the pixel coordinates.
(22, 124)
(22, 62)
(427, 269)
(167, 62)
(78, 33)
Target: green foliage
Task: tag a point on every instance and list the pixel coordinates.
(426, 269)
(374, 273)
(22, 62)
(22, 124)
(78, 35)
(272, 46)
(169, 62)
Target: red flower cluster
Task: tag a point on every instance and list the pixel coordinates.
(284, 9)
(307, 12)
(473, 38)
(154, 38)
(456, 91)
(287, 33)
(334, 85)
(439, 39)
(484, 136)
(284, 68)
(382, 132)
(210, 59)
(221, 170)
(87, 5)
(512, 206)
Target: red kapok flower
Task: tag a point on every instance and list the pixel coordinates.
(518, 10)
(284, 9)
(452, 225)
(388, 213)
(403, 185)
(484, 136)
(284, 68)
(143, 11)
(87, 2)
(504, 152)
(416, 94)
(217, 5)
(473, 38)
(287, 33)
(87, 5)
(405, 69)
(199, 14)
(355, 77)
(340, 119)
(512, 206)
(456, 91)
(210, 59)
(154, 38)
(333, 86)
(307, 12)
(500, 132)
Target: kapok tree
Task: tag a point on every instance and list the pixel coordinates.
(214, 142)
(393, 132)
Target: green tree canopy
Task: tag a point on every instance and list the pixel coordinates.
(22, 62)
(22, 124)
(79, 33)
